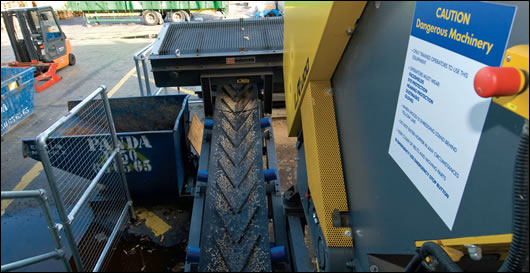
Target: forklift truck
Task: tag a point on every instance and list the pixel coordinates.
(38, 40)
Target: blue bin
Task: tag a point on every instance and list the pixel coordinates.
(18, 89)
(153, 133)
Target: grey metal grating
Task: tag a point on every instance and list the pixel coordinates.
(242, 35)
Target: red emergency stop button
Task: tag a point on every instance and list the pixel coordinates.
(499, 81)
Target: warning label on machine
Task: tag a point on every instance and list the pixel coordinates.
(439, 117)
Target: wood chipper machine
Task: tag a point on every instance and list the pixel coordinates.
(412, 131)
(412, 127)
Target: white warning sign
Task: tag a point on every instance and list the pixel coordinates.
(439, 117)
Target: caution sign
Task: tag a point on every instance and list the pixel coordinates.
(439, 117)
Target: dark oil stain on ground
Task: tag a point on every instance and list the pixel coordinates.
(138, 250)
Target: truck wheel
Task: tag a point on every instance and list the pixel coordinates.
(150, 18)
(71, 59)
(160, 17)
(176, 16)
(185, 14)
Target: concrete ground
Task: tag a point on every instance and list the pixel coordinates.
(104, 57)
(99, 62)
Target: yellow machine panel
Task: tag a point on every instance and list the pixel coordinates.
(456, 247)
(324, 166)
(313, 45)
(516, 56)
(315, 35)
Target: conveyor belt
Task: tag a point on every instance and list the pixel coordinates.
(235, 228)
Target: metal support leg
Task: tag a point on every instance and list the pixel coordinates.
(297, 246)
(194, 239)
(139, 76)
(207, 97)
(278, 213)
(267, 98)
(146, 73)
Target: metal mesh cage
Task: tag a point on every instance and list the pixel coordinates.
(82, 163)
(221, 37)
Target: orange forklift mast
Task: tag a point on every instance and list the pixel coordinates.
(37, 40)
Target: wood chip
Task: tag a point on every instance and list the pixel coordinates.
(195, 133)
(125, 251)
(246, 38)
(162, 238)
(178, 268)
(143, 268)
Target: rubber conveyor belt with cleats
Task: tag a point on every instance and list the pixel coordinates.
(237, 200)
(235, 228)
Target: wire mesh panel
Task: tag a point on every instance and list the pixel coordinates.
(226, 36)
(78, 149)
(80, 154)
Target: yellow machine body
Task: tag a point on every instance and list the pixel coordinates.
(456, 247)
(516, 56)
(313, 45)
(324, 166)
(315, 37)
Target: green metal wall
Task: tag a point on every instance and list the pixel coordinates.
(145, 5)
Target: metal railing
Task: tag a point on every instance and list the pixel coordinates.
(141, 57)
(81, 156)
(55, 230)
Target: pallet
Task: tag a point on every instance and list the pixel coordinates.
(6, 5)
(64, 14)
